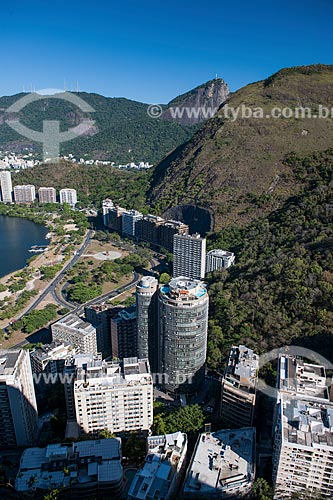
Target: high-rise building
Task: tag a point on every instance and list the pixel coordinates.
(161, 473)
(24, 194)
(100, 316)
(189, 256)
(155, 230)
(114, 218)
(114, 396)
(6, 186)
(303, 448)
(50, 358)
(77, 332)
(129, 221)
(72, 364)
(107, 204)
(168, 230)
(222, 465)
(124, 334)
(148, 229)
(182, 334)
(18, 407)
(303, 431)
(84, 469)
(47, 195)
(219, 259)
(68, 196)
(146, 311)
(239, 386)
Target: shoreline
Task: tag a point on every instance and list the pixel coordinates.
(50, 240)
(55, 254)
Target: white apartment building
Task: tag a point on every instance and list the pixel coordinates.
(303, 430)
(72, 364)
(50, 358)
(129, 220)
(25, 194)
(189, 256)
(47, 195)
(162, 471)
(68, 196)
(18, 408)
(219, 259)
(303, 448)
(80, 334)
(6, 186)
(114, 396)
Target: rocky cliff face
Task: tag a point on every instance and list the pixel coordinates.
(197, 105)
(236, 167)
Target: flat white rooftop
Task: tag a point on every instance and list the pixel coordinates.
(100, 373)
(75, 323)
(222, 461)
(8, 362)
(296, 377)
(307, 423)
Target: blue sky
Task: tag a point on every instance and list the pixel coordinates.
(154, 50)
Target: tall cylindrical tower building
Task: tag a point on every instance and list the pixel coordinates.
(146, 310)
(182, 334)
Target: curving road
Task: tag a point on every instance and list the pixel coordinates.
(79, 309)
(75, 308)
(52, 286)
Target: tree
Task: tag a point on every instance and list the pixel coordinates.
(262, 490)
(159, 424)
(135, 447)
(63, 311)
(106, 434)
(186, 419)
(82, 292)
(38, 318)
(165, 278)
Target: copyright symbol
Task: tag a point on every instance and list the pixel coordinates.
(154, 110)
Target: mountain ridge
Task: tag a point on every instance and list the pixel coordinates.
(123, 129)
(236, 168)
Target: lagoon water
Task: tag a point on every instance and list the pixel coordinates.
(17, 236)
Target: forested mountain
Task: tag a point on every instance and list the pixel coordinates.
(235, 166)
(280, 292)
(93, 183)
(123, 129)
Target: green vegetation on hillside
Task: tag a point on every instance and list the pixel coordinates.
(93, 184)
(229, 162)
(123, 131)
(280, 291)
